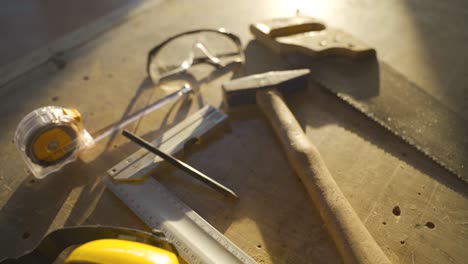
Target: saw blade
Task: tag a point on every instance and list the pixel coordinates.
(349, 68)
(380, 92)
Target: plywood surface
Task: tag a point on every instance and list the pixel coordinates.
(274, 221)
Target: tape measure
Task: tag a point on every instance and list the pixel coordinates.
(51, 144)
(50, 137)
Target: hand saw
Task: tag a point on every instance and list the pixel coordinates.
(350, 69)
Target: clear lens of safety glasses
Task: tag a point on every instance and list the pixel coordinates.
(186, 51)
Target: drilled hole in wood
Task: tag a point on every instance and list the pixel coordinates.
(259, 246)
(396, 210)
(430, 225)
(402, 242)
(384, 223)
(25, 235)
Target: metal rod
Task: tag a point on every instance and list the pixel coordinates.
(180, 164)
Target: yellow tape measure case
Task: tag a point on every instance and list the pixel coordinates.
(50, 137)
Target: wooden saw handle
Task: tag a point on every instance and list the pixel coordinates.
(309, 36)
(351, 237)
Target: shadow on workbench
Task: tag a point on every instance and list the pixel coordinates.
(62, 199)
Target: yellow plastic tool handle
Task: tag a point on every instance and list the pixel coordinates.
(108, 251)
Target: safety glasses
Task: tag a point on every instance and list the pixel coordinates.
(185, 51)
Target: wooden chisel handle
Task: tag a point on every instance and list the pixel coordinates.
(351, 237)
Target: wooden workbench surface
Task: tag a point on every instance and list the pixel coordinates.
(274, 221)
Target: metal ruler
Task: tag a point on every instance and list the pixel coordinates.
(196, 240)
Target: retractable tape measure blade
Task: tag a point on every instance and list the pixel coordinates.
(50, 137)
